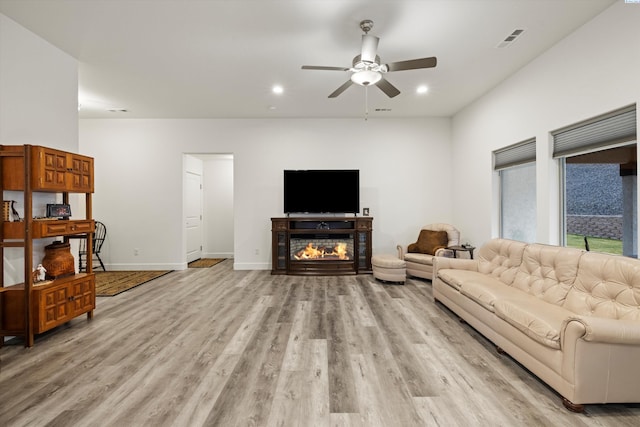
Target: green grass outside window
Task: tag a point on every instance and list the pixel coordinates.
(596, 244)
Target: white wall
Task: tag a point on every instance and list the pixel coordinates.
(39, 106)
(404, 173)
(592, 71)
(38, 90)
(218, 206)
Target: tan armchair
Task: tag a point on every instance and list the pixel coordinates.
(421, 264)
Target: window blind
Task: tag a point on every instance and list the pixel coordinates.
(514, 155)
(596, 134)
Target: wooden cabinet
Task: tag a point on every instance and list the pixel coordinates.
(49, 228)
(322, 235)
(55, 302)
(31, 308)
(51, 170)
(62, 301)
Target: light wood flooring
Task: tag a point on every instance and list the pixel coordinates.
(220, 347)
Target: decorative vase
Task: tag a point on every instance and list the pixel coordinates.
(58, 260)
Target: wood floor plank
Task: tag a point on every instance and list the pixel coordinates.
(304, 394)
(371, 406)
(215, 346)
(342, 393)
(394, 333)
(296, 351)
(318, 323)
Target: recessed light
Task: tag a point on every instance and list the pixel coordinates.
(422, 89)
(277, 89)
(272, 107)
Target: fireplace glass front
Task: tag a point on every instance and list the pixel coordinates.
(321, 247)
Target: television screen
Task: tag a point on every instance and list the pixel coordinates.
(322, 191)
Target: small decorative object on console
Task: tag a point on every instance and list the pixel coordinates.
(40, 273)
(58, 211)
(58, 261)
(9, 212)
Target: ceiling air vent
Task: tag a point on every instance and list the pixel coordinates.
(510, 38)
(383, 109)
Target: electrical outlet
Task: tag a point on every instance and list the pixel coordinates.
(136, 251)
(257, 252)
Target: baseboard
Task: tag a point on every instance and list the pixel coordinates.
(144, 267)
(251, 266)
(225, 255)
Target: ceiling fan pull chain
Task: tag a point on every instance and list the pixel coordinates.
(366, 103)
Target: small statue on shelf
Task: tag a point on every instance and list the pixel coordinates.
(39, 273)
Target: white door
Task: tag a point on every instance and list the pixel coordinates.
(193, 214)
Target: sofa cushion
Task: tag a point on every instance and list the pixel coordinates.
(419, 258)
(485, 292)
(539, 320)
(606, 286)
(455, 278)
(429, 241)
(501, 258)
(547, 272)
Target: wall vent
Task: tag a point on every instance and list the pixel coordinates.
(510, 38)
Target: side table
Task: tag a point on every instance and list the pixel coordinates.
(455, 250)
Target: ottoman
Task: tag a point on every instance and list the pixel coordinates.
(389, 268)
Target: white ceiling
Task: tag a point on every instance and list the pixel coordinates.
(206, 58)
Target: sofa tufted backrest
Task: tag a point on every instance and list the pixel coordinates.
(606, 286)
(548, 272)
(501, 258)
(452, 233)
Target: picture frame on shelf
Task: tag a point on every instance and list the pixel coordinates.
(58, 210)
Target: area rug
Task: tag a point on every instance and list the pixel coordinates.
(205, 262)
(110, 283)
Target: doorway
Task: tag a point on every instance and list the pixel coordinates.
(214, 196)
(193, 195)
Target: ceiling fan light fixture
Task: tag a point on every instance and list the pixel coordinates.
(366, 77)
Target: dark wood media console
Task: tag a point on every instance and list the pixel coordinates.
(321, 246)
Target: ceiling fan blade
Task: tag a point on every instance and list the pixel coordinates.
(413, 64)
(314, 67)
(389, 89)
(369, 48)
(341, 89)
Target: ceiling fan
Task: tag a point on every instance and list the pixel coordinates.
(366, 67)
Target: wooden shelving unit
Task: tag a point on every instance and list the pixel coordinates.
(29, 308)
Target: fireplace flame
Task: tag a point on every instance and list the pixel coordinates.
(311, 252)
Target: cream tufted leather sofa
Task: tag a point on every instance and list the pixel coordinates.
(569, 316)
(421, 265)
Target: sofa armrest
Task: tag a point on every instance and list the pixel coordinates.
(604, 330)
(444, 252)
(400, 251)
(440, 263)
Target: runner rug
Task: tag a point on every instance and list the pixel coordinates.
(110, 283)
(205, 262)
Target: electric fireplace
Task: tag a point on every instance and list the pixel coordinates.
(321, 246)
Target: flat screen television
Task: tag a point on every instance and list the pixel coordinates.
(322, 191)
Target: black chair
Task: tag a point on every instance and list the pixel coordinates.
(98, 239)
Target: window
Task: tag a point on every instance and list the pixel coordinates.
(599, 169)
(517, 177)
